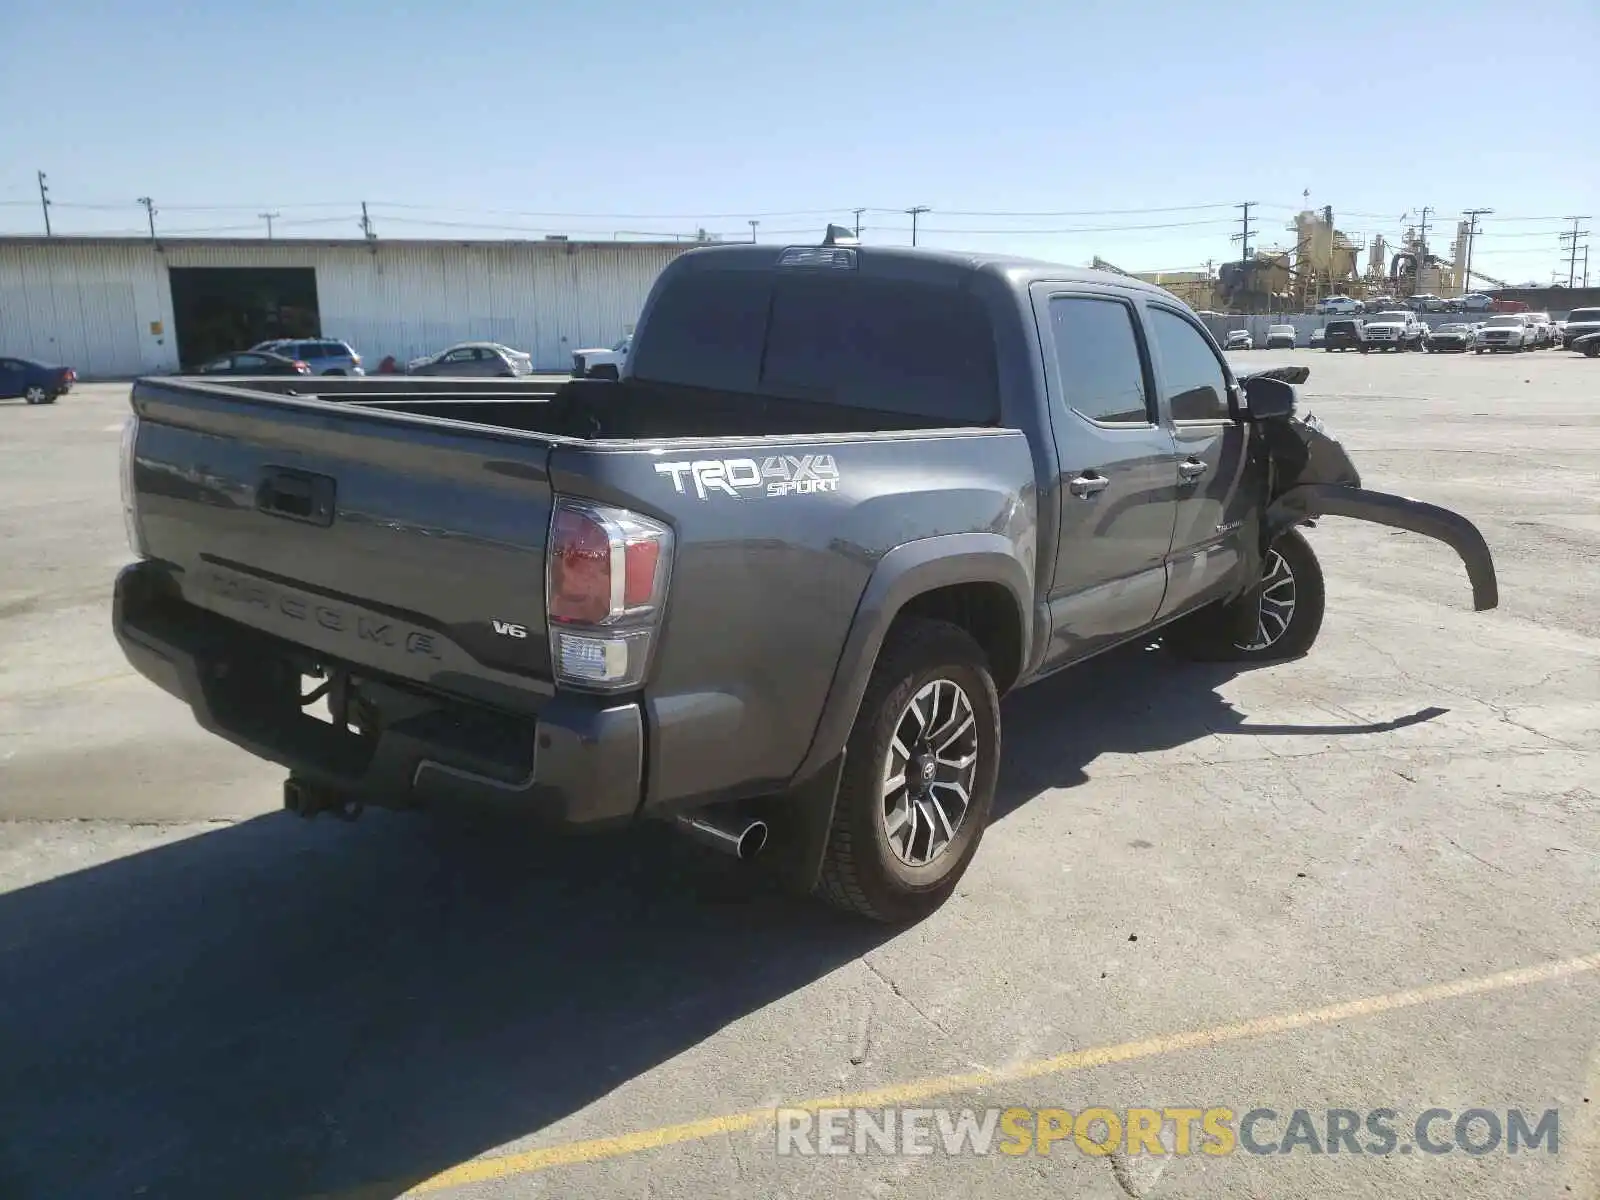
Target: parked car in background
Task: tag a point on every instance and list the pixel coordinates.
(1455, 338)
(325, 356)
(35, 382)
(1580, 323)
(1588, 345)
(1425, 302)
(474, 358)
(1476, 302)
(1239, 339)
(1346, 333)
(1544, 330)
(601, 362)
(1338, 304)
(254, 362)
(1505, 331)
(1280, 335)
(1318, 336)
(1399, 329)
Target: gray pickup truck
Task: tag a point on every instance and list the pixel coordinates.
(769, 586)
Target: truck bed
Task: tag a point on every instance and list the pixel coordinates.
(397, 536)
(597, 408)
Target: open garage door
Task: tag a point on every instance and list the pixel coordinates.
(220, 309)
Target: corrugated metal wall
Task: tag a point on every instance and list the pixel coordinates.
(105, 310)
(92, 304)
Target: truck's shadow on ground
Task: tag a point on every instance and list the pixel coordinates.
(275, 1010)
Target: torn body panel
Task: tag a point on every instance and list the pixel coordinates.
(1308, 500)
(1314, 477)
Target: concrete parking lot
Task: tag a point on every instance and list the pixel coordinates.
(1366, 880)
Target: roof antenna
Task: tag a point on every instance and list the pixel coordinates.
(840, 235)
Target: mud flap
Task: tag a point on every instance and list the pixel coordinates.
(1399, 512)
(800, 822)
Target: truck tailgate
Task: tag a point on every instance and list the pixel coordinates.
(378, 539)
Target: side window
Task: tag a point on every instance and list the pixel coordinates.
(244, 362)
(456, 356)
(1097, 354)
(1197, 388)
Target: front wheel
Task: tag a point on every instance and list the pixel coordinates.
(1293, 601)
(919, 776)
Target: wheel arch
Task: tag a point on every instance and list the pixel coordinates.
(976, 581)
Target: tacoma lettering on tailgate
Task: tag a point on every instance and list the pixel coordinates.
(335, 618)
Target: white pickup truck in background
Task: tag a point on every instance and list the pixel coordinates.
(601, 363)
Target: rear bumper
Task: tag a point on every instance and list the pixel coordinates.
(577, 762)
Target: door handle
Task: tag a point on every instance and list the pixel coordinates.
(1088, 484)
(1191, 469)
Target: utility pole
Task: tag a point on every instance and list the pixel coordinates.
(44, 203)
(1572, 251)
(914, 213)
(150, 214)
(858, 212)
(1422, 249)
(1243, 237)
(366, 223)
(268, 218)
(753, 224)
(1586, 264)
(1472, 215)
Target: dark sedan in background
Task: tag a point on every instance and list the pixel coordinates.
(1454, 337)
(35, 382)
(254, 362)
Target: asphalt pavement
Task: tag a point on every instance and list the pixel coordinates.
(1366, 880)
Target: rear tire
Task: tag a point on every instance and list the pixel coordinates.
(36, 395)
(893, 855)
(1293, 603)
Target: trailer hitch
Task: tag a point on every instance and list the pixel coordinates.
(307, 799)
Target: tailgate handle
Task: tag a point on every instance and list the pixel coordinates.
(296, 495)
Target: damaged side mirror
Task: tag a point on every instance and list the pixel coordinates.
(1267, 399)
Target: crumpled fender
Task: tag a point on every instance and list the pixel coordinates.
(1309, 500)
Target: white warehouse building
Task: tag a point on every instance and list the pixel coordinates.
(121, 306)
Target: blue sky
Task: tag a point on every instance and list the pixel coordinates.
(1135, 125)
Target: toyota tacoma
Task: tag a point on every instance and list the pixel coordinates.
(769, 586)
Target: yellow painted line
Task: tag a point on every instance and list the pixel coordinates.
(482, 1170)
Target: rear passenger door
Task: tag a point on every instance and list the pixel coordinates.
(1118, 480)
(1199, 397)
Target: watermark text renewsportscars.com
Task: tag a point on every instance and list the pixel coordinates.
(1178, 1130)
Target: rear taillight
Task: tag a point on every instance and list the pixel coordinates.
(303, 368)
(604, 593)
(130, 500)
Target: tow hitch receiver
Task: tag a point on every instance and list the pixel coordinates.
(1309, 500)
(306, 799)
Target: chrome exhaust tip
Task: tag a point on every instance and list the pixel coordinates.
(742, 837)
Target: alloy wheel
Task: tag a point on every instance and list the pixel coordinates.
(929, 772)
(1277, 603)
